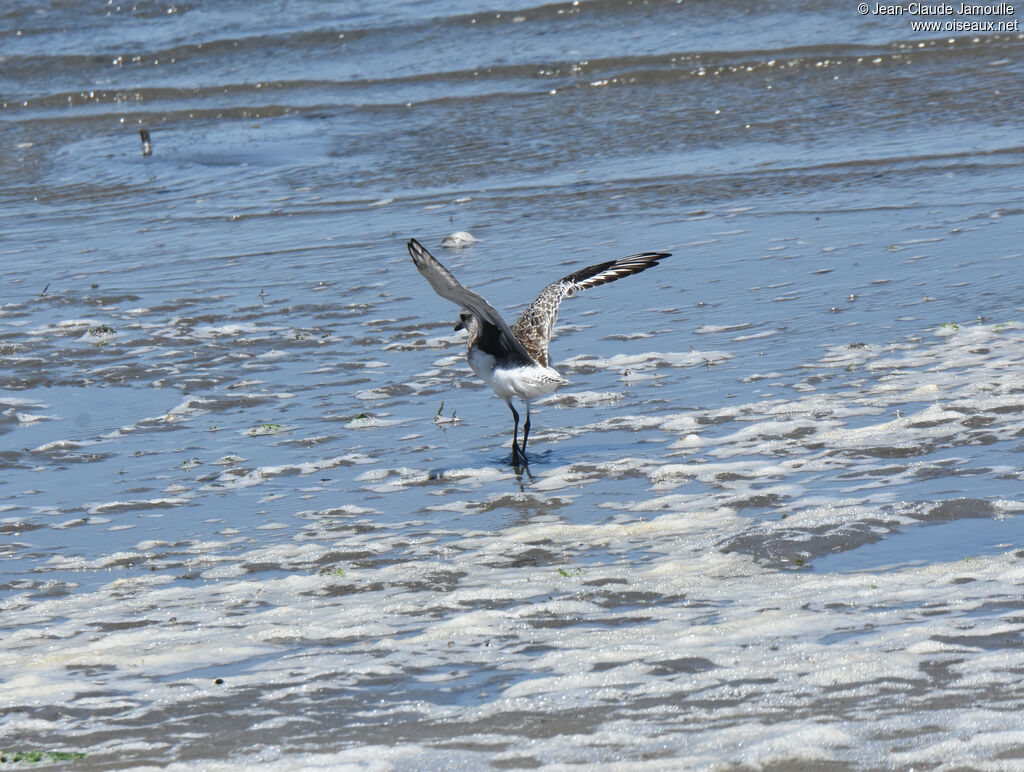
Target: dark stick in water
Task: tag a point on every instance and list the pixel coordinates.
(147, 146)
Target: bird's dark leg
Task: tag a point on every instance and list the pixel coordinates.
(526, 427)
(516, 453)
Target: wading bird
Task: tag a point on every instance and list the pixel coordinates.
(513, 361)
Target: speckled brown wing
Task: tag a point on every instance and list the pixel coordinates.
(533, 328)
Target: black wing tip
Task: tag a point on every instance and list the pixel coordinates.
(652, 257)
(417, 251)
(642, 261)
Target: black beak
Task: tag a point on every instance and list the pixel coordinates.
(459, 325)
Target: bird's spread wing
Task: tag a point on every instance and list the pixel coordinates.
(494, 331)
(533, 328)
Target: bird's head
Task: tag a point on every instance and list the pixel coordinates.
(465, 321)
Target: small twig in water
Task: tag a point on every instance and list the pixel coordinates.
(44, 289)
(440, 419)
(147, 146)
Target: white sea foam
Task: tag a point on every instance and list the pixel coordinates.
(63, 445)
(650, 359)
(66, 325)
(371, 422)
(20, 402)
(706, 329)
(31, 418)
(234, 330)
(138, 504)
(683, 590)
(237, 478)
(751, 637)
(458, 239)
(584, 398)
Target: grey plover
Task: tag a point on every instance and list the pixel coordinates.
(514, 361)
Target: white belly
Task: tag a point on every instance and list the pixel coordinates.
(525, 383)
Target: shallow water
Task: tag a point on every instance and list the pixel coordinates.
(775, 519)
